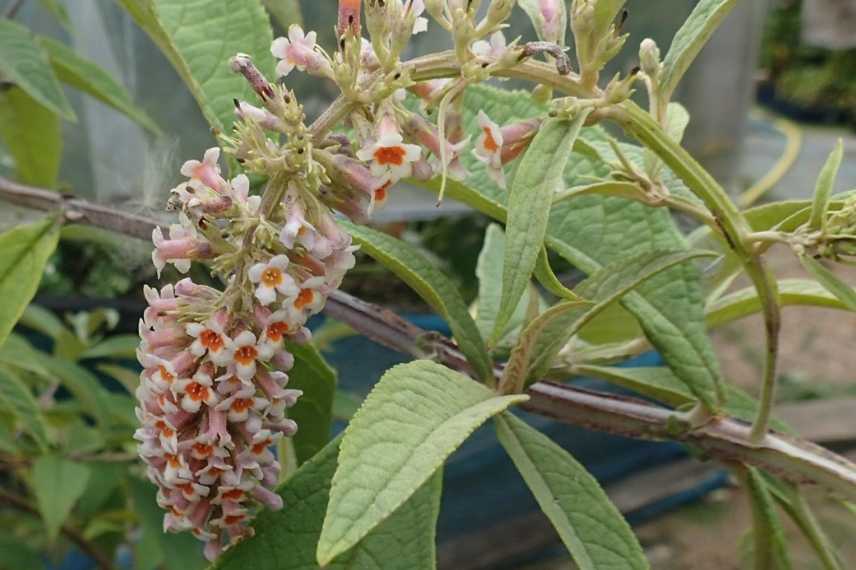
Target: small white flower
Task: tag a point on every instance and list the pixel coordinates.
(489, 148)
(196, 391)
(389, 157)
(211, 337)
(493, 48)
(176, 250)
(298, 51)
(245, 355)
(272, 279)
(309, 299)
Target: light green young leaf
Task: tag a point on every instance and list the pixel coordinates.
(416, 416)
(285, 12)
(199, 37)
(770, 545)
(489, 274)
(57, 484)
(677, 119)
(627, 190)
(825, 185)
(24, 252)
(84, 386)
(412, 267)
(286, 539)
(842, 291)
(88, 77)
(116, 346)
(42, 320)
(33, 135)
(745, 302)
(690, 39)
(17, 353)
(16, 398)
(611, 325)
(538, 176)
(547, 278)
(23, 63)
(314, 409)
(592, 529)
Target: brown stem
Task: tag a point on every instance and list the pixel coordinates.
(70, 532)
(723, 438)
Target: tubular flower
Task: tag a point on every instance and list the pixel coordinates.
(489, 148)
(389, 157)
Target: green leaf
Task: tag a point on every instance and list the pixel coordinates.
(24, 251)
(414, 268)
(156, 548)
(602, 289)
(199, 37)
(489, 274)
(127, 378)
(19, 401)
(17, 353)
(23, 63)
(93, 398)
(791, 500)
(745, 302)
(824, 187)
(593, 231)
(314, 409)
(689, 39)
(416, 416)
(286, 539)
(538, 177)
(770, 548)
(57, 484)
(592, 529)
(116, 346)
(88, 77)
(15, 555)
(285, 12)
(677, 119)
(830, 281)
(33, 135)
(42, 320)
(627, 190)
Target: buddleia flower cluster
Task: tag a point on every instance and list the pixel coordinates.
(214, 395)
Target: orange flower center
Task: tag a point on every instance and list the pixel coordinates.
(233, 495)
(276, 330)
(211, 340)
(203, 449)
(304, 298)
(261, 446)
(380, 193)
(489, 142)
(246, 354)
(172, 460)
(165, 375)
(390, 155)
(233, 519)
(272, 276)
(197, 391)
(242, 404)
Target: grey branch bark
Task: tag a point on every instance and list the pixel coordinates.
(722, 438)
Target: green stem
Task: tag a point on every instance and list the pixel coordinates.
(734, 228)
